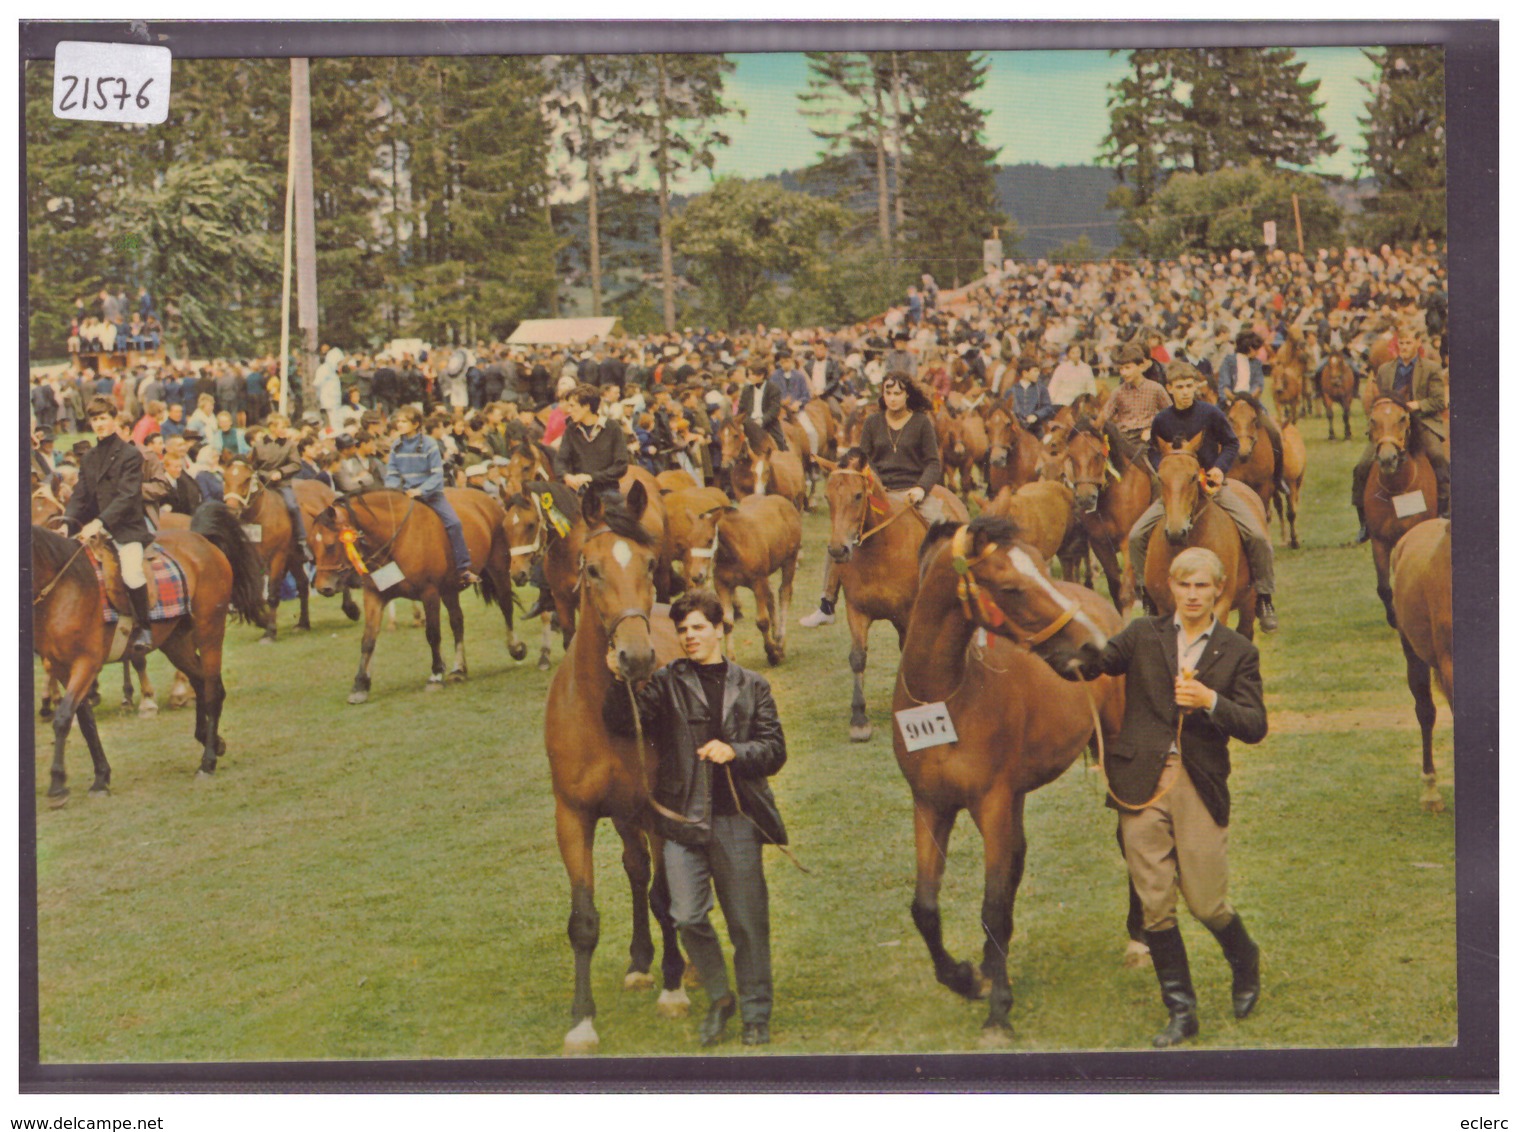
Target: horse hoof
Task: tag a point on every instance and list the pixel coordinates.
(100, 791)
(544, 664)
(1136, 955)
(860, 733)
(59, 800)
(47, 712)
(351, 612)
(637, 980)
(221, 746)
(582, 1039)
(178, 702)
(358, 697)
(774, 656)
(266, 639)
(673, 1004)
(1433, 805)
(434, 686)
(204, 775)
(148, 708)
(518, 651)
(995, 1035)
(456, 676)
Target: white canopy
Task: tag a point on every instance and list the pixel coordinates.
(561, 331)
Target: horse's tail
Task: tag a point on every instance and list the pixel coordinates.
(215, 523)
(493, 596)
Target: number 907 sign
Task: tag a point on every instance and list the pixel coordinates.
(111, 82)
(926, 726)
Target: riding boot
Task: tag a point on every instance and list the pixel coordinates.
(1168, 950)
(1266, 612)
(1243, 956)
(142, 631)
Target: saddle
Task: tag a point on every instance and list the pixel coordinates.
(168, 593)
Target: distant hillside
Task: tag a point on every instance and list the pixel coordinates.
(1055, 206)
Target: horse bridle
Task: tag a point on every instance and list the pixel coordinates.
(538, 538)
(255, 485)
(972, 598)
(1400, 445)
(871, 480)
(710, 551)
(626, 614)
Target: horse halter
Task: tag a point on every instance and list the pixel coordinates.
(871, 506)
(537, 539)
(1396, 442)
(972, 598)
(710, 551)
(255, 485)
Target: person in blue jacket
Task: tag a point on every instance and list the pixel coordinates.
(416, 467)
(1030, 395)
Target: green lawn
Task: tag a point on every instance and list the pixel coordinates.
(382, 881)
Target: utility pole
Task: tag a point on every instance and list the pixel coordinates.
(305, 223)
(1296, 209)
(284, 299)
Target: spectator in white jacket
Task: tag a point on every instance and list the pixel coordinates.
(1072, 377)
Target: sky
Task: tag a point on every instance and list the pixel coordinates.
(1046, 107)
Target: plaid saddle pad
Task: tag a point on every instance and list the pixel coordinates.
(168, 594)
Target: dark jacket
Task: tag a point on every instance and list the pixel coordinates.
(669, 704)
(1146, 652)
(1220, 444)
(270, 455)
(769, 407)
(387, 386)
(110, 489)
(602, 457)
(309, 471)
(184, 495)
(912, 461)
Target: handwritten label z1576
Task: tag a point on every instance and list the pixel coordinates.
(111, 82)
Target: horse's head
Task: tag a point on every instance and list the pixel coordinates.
(617, 561)
(336, 545)
(855, 497)
(704, 535)
(1005, 588)
(1390, 434)
(732, 440)
(1180, 479)
(238, 484)
(1001, 430)
(1084, 469)
(951, 438)
(1246, 426)
(524, 529)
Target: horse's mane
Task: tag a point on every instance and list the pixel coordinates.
(1251, 400)
(986, 528)
(619, 520)
(51, 551)
(853, 459)
(565, 498)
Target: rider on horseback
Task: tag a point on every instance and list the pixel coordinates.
(1187, 417)
(277, 461)
(1243, 374)
(901, 448)
(109, 496)
(1419, 384)
(416, 467)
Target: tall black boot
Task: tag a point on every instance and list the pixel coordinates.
(142, 632)
(1243, 955)
(1168, 951)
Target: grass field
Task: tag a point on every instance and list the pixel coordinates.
(382, 881)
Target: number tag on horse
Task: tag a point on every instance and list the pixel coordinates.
(1413, 503)
(926, 726)
(387, 575)
(253, 531)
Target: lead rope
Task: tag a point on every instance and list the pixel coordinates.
(58, 577)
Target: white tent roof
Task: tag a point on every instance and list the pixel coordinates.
(556, 331)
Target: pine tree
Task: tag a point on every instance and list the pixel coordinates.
(949, 175)
(1404, 144)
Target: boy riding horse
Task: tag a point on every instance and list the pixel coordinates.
(416, 467)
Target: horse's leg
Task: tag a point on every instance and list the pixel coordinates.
(303, 591)
(1382, 556)
(374, 608)
(1290, 495)
(1106, 554)
(576, 833)
(460, 668)
(764, 618)
(673, 1000)
(1345, 407)
(933, 827)
(638, 866)
(102, 783)
(1328, 411)
(1421, 686)
(49, 697)
(272, 583)
(729, 599)
(128, 701)
(149, 706)
(350, 607)
(787, 586)
(860, 729)
(432, 609)
(544, 655)
(1006, 846)
(75, 688)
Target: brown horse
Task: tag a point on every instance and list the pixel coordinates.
(851, 422)
(1192, 520)
(383, 528)
(726, 547)
(1043, 511)
(1423, 597)
(533, 535)
(600, 775)
(767, 471)
(266, 521)
(1400, 492)
(1107, 505)
(987, 630)
(676, 479)
(1337, 383)
(1013, 454)
(1288, 370)
(70, 633)
(958, 451)
(873, 544)
(1256, 462)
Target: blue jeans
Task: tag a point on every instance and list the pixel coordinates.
(451, 524)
